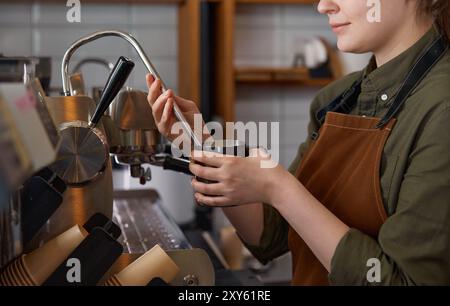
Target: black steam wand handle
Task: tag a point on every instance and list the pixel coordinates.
(116, 80)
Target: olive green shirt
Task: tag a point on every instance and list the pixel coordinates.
(413, 245)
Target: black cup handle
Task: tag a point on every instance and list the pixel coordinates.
(39, 200)
(177, 164)
(182, 165)
(116, 80)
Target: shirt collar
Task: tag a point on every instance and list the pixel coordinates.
(385, 81)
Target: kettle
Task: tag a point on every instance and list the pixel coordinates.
(77, 84)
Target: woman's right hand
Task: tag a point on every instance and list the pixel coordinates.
(162, 107)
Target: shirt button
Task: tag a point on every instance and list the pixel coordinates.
(384, 97)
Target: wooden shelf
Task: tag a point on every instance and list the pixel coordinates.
(270, 75)
(227, 77)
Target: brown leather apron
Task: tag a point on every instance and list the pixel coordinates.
(342, 166)
(341, 170)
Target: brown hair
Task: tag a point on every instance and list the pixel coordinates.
(440, 10)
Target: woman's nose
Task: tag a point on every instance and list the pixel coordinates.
(328, 7)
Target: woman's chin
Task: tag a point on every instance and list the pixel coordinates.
(349, 46)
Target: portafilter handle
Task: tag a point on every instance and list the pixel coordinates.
(116, 80)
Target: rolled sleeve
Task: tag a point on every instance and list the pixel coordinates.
(413, 245)
(274, 239)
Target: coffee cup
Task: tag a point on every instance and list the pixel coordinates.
(155, 263)
(43, 261)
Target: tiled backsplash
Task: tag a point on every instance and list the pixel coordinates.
(42, 30)
(270, 34)
(266, 35)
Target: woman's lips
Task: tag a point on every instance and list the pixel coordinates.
(338, 27)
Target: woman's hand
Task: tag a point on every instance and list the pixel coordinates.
(162, 107)
(237, 180)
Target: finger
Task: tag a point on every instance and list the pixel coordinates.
(212, 201)
(207, 189)
(158, 106)
(149, 79)
(154, 91)
(208, 173)
(167, 113)
(209, 158)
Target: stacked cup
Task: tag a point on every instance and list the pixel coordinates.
(34, 268)
(155, 263)
(16, 274)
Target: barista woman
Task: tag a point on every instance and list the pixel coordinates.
(372, 181)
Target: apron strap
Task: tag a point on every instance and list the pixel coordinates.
(342, 104)
(426, 62)
(347, 101)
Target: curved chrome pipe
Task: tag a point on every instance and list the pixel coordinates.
(97, 35)
(148, 64)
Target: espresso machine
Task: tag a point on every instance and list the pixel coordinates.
(18, 172)
(132, 134)
(120, 124)
(88, 138)
(82, 161)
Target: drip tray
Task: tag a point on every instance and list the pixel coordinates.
(145, 223)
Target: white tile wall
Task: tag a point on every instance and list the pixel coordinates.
(269, 35)
(42, 30)
(9, 42)
(154, 15)
(15, 14)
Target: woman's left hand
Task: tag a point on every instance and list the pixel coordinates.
(237, 180)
